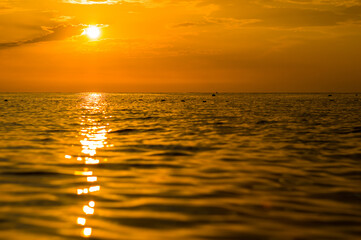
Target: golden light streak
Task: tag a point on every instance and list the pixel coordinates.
(89, 151)
(91, 161)
(81, 221)
(94, 189)
(92, 179)
(83, 191)
(88, 210)
(87, 232)
(91, 204)
(83, 173)
(94, 137)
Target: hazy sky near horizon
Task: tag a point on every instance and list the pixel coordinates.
(181, 45)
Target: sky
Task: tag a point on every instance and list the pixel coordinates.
(180, 46)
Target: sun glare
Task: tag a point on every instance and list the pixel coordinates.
(93, 32)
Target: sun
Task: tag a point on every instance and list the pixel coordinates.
(93, 32)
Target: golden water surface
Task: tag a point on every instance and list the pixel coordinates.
(180, 166)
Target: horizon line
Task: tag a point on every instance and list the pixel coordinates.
(166, 92)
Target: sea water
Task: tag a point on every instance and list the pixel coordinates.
(180, 166)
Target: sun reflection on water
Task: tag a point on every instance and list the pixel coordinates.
(94, 136)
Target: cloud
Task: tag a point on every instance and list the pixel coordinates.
(5, 8)
(57, 33)
(108, 2)
(290, 13)
(89, 2)
(267, 13)
(227, 22)
(62, 19)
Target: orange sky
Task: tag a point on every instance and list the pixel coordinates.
(181, 46)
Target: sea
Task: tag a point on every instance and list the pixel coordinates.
(180, 166)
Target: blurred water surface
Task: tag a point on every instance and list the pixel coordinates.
(180, 166)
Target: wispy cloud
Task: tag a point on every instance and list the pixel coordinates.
(57, 33)
(290, 13)
(62, 19)
(4, 8)
(227, 22)
(89, 2)
(108, 2)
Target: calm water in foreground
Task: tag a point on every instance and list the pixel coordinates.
(173, 167)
